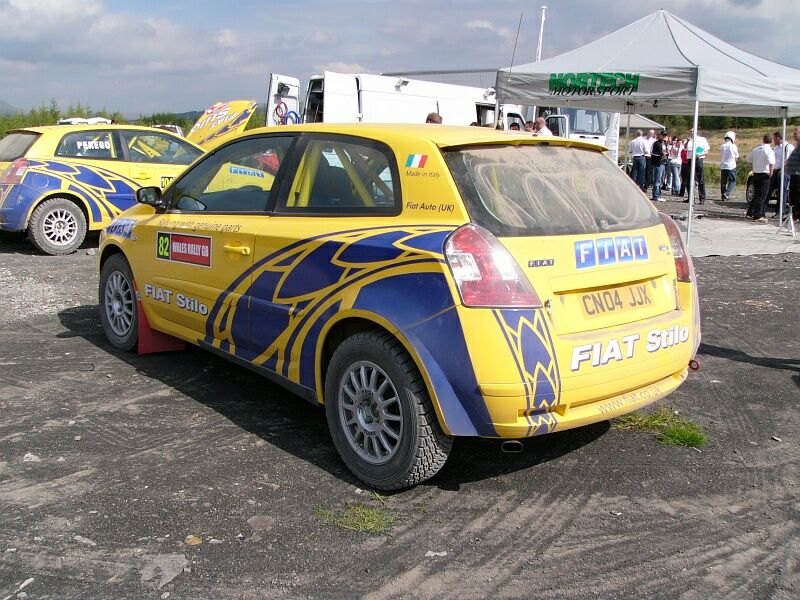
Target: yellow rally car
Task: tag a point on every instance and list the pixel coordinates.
(60, 181)
(422, 282)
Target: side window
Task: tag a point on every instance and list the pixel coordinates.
(87, 144)
(148, 147)
(237, 178)
(343, 176)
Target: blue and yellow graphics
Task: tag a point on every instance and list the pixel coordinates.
(514, 325)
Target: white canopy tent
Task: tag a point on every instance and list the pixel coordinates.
(659, 64)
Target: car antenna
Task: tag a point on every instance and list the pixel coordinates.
(510, 68)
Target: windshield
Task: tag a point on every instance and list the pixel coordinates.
(15, 145)
(547, 190)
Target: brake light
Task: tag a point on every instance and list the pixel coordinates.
(15, 171)
(683, 262)
(485, 272)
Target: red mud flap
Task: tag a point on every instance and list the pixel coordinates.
(150, 340)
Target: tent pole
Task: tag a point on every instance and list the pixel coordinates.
(691, 172)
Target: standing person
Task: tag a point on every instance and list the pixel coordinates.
(762, 159)
(675, 150)
(638, 150)
(728, 155)
(434, 118)
(791, 175)
(781, 148)
(657, 154)
(529, 126)
(651, 137)
(685, 168)
(700, 154)
(540, 127)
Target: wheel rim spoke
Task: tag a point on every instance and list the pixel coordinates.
(370, 412)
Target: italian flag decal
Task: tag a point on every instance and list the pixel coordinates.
(416, 161)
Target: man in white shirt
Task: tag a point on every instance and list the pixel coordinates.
(762, 159)
(540, 127)
(777, 172)
(699, 171)
(639, 149)
(728, 155)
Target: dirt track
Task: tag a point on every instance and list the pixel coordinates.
(109, 461)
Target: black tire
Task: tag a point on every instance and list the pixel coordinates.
(118, 309)
(750, 191)
(421, 447)
(57, 226)
(12, 236)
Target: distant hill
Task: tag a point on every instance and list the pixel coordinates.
(7, 109)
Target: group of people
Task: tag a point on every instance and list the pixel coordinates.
(536, 127)
(663, 163)
(769, 175)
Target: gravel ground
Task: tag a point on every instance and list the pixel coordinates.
(183, 476)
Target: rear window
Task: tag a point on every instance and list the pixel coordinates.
(15, 145)
(547, 190)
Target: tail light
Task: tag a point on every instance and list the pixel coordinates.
(683, 262)
(485, 272)
(15, 171)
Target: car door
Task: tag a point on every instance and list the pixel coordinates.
(338, 191)
(155, 159)
(199, 250)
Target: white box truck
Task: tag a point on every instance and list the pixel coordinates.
(365, 98)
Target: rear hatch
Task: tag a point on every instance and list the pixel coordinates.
(589, 242)
(15, 145)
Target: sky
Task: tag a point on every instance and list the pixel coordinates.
(140, 57)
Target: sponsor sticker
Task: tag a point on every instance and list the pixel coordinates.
(180, 247)
(122, 228)
(608, 251)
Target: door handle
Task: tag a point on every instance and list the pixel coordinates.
(141, 175)
(243, 250)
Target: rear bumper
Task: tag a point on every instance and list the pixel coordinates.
(519, 421)
(15, 204)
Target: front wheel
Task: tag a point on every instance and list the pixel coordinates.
(57, 226)
(379, 413)
(118, 310)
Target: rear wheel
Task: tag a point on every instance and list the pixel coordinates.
(379, 413)
(118, 310)
(57, 226)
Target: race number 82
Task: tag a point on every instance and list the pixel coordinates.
(162, 246)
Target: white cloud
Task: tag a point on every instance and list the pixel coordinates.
(505, 33)
(227, 38)
(340, 67)
(321, 38)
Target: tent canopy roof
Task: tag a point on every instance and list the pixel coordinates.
(659, 64)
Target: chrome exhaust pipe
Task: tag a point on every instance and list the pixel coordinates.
(511, 447)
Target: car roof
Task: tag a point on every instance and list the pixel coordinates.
(42, 129)
(444, 136)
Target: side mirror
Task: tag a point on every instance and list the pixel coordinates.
(149, 195)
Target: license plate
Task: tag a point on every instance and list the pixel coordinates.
(616, 300)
